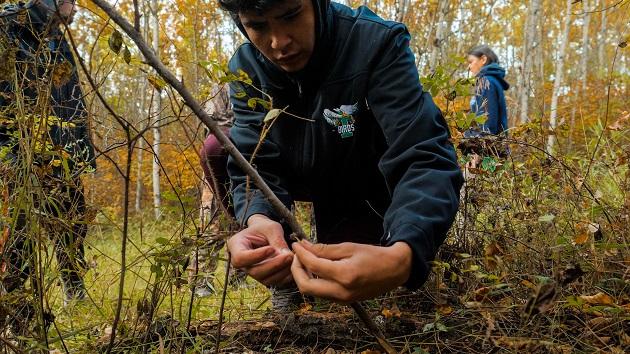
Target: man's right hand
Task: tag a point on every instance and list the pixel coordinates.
(261, 251)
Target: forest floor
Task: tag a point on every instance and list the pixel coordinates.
(463, 308)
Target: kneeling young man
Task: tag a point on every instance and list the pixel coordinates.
(374, 156)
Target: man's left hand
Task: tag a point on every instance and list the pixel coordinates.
(349, 272)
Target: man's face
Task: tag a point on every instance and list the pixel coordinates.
(476, 63)
(285, 34)
(66, 10)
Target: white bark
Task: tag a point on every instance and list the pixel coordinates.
(157, 108)
(585, 44)
(440, 34)
(557, 85)
(601, 40)
(529, 46)
(144, 112)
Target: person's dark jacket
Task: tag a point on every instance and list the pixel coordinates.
(393, 171)
(489, 100)
(36, 56)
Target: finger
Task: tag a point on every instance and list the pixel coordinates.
(323, 288)
(322, 267)
(333, 252)
(270, 267)
(278, 278)
(276, 239)
(243, 258)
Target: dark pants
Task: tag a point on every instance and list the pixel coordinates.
(337, 220)
(60, 211)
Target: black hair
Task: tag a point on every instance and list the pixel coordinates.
(258, 6)
(482, 50)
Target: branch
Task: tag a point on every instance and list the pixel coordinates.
(191, 102)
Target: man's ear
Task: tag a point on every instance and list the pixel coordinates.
(484, 60)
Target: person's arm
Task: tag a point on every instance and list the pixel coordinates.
(488, 104)
(420, 164)
(260, 249)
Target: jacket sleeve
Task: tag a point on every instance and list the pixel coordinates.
(420, 165)
(487, 103)
(245, 133)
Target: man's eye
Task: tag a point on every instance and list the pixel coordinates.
(257, 26)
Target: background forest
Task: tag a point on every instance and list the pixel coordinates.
(537, 261)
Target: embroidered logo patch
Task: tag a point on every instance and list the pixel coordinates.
(343, 119)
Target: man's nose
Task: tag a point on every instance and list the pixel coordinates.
(280, 40)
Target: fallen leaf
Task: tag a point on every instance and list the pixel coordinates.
(598, 299)
(393, 312)
(542, 299)
(304, 308)
(444, 310)
(581, 238)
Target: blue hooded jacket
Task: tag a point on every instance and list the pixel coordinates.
(489, 100)
(377, 153)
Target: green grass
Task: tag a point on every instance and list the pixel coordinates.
(86, 321)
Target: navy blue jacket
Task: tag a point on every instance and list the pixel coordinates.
(377, 154)
(33, 51)
(489, 100)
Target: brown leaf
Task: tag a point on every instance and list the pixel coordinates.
(598, 299)
(393, 312)
(444, 310)
(304, 308)
(621, 123)
(581, 239)
(542, 299)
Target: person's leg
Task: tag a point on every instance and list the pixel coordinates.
(214, 164)
(68, 234)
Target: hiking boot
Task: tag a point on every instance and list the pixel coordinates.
(286, 299)
(73, 288)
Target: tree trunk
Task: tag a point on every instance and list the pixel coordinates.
(562, 46)
(440, 34)
(583, 66)
(143, 112)
(157, 108)
(601, 40)
(529, 45)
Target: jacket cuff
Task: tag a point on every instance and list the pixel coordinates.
(423, 251)
(256, 207)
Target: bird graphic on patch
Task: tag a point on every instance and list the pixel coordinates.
(343, 119)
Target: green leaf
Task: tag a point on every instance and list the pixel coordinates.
(272, 114)
(546, 218)
(156, 82)
(251, 103)
(115, 41)
(126, 55)
(240, 94)
(162, 241)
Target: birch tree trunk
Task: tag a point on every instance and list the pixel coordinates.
(440, 34)
(601, 40)
(144, 112)
(157, 108)
(529, 46)
(586, 19)
(562, 46)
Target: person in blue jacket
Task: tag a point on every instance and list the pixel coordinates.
(374, 156)
(488, 98)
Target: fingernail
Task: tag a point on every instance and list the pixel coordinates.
(307, 242)
(286, 251)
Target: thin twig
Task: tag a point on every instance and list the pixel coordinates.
(225, 289)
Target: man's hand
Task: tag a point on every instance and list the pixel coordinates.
(350, 272)
(261, 251)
